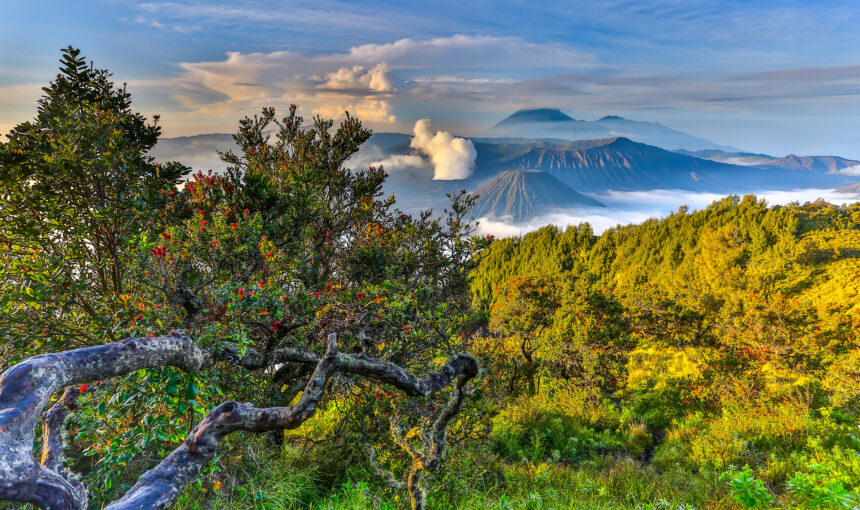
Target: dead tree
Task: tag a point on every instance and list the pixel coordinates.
(28, 387)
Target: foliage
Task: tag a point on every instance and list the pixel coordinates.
(283, 249)
(77, 191)
(748, 490)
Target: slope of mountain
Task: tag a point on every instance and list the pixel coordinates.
(613, 164)
(851, 189)
(520, 195)
(552, 123)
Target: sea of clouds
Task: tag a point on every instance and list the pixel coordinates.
(626, 207)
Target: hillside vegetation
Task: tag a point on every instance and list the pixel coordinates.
(707, 360)
(717, 343)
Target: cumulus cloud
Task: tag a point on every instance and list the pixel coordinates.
(210, 95)
(452, 157)
(850, 170)
(364, 109)
(377, 79)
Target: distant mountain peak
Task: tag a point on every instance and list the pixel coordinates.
(552, 123)
(537, 115)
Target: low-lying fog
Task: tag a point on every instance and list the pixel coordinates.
(625, 207)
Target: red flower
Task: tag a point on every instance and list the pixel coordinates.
(405, 328)
(83, 388)
(246, 211)
(233, 225)
(360, 295)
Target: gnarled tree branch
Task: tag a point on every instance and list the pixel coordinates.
(160, 486)
(359, 364)
(26, 388)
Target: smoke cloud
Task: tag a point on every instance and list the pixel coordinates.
(452, 157)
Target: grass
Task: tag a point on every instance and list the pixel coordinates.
(288, 479)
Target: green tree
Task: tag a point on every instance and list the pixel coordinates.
(77, 190)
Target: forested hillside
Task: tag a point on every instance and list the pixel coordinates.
(721, 342)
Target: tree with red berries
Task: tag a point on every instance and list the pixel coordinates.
(289, 277)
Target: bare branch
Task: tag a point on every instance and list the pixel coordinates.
(26, 388)
(359, 364)
(159, 487)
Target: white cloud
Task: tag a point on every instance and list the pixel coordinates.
(470, 52)
(626, 207)
(364, 109)
(850, 170)
(211, 95)
(452, 157)
(377, 79)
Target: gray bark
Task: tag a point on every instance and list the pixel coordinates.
(26, 388)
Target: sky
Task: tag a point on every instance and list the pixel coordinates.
(768, 76)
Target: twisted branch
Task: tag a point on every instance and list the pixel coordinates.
(26, 388)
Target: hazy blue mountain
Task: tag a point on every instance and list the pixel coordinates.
(594, 166)
(588, 166)
(520, 195)
(824, 164)
(535, 115)
(552, 123)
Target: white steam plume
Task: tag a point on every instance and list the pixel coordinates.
(452, 157)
